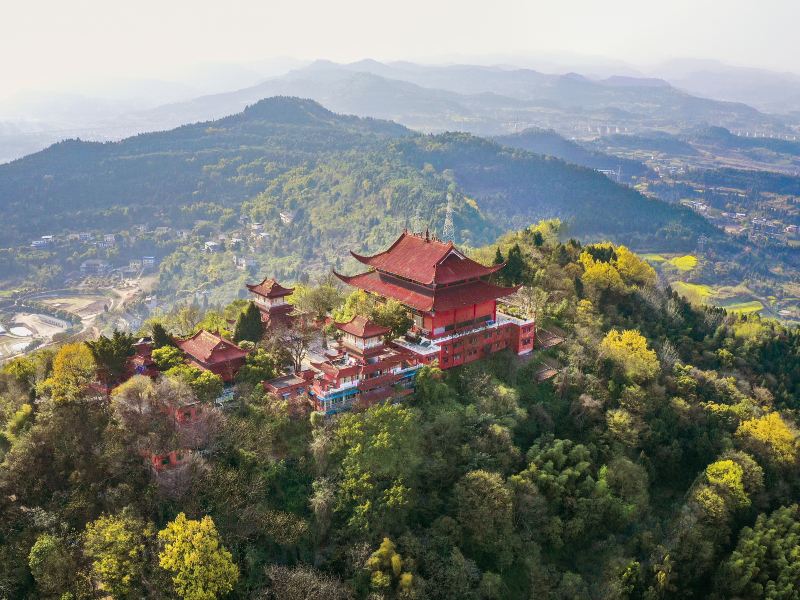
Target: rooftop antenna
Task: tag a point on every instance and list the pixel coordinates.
(448, 231)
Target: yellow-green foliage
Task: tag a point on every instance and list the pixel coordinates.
(711, 502)
(683, 263)
(622, 272)
(386, 566)
(750, 329)
(628, 348)
(770, 436)
(726, 475)
(357, 303)
(601, 276)
(633, 269)
(201, 568)
(74, 368)
(116, 546)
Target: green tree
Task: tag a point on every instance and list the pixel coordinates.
(259, 366)
(116, 545)
(111, 354)
(393, 315)
(214, 321)
(766, 561)
(248, 325)
(167, 357)
(160, 336)
(316, 302)
(201, 567)
(485, 512)
(377, 452)
(498, 257)
(56, 569)
(357, 302)
(205, 385)
(514, 271)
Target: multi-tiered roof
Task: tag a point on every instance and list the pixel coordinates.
(269, 288)
(427, 274)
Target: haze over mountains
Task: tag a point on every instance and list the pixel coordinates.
(486, 100)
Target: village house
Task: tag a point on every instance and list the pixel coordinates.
(94, 266)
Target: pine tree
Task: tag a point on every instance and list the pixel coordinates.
(111, 354)
(515, 266)
(248, 325)
(498, 257)
(160, 336)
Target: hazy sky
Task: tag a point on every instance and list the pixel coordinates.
(45, 43)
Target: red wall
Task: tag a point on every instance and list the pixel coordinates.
(484, 343)
(468, 313)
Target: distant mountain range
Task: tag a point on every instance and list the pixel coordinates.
(481, 100)
(477, 99)
(768, 91)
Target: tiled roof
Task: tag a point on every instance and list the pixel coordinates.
(426, 260)
(269, 288)
(208, 347)
(360, 326)
(416, 296)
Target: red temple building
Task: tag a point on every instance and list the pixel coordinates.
(449, 296)
(364, 370)
(211, 352)
(141, 363)
(270, 297)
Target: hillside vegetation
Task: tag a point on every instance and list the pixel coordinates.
(661, 462)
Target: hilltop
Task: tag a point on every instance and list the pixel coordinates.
(645, 448)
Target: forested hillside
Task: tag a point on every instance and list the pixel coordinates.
(318, 183)
(661, 462)
(237, 158)
(548, 142)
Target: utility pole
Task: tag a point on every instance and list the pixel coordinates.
(448, 231)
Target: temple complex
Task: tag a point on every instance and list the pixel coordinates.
(449, 296)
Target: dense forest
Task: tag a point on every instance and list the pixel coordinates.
(661, 461)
